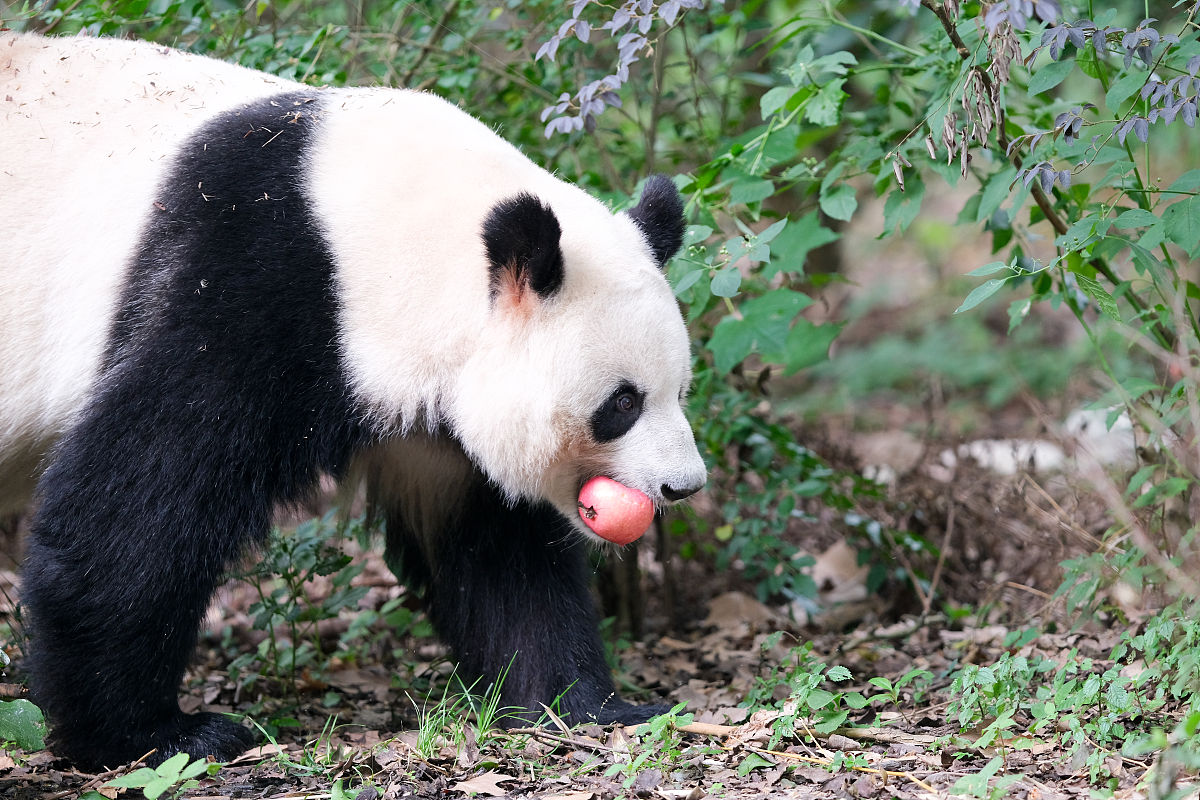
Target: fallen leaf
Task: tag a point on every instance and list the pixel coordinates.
(487, 783)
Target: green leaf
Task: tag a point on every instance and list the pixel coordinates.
(994, 193)
(808, 344)
(752, 762)
(1182, 223)
(134, 780)
(1017, 311)
(763, 328)
(751, 191)
(1168, 488)
(838, 673)
(790, 249)
(825, 107)
(776, 98)
(837, 63)
(988, 269)
(818, 699)
(1050, 75)
(726, 282)
(839, 202)
(768, 235)
(832, 722)
(1122, 89)
(22, 723)
(695, 234)
(980, 293)
(1088, 63)
(688, 281)
(1104, 301)
(901, 208)
(1135, 218)
(1187, 182)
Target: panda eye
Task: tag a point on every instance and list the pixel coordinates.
(617, 414)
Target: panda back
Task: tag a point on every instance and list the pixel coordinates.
(90, 127)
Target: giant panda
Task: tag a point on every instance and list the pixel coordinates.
(218, 286)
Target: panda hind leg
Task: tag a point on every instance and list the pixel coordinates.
(506, 587)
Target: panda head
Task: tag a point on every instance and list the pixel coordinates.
(584, 364)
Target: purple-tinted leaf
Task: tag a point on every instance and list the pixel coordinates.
(1188, 113)
(645, 6)
(1146, 54)
(547, 50)
(1141, 128)
(644, 23)
(1064, 178)
(1047, 10)
(565, 28)
(1193, 64)
(996, 16)
(669, 11)
(1123, 129)
(583, 30)
(1046, 180)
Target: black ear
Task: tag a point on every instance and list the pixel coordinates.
(522, 235)
(660, 216)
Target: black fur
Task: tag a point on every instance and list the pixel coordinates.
(616, 415)
(659, 213)
(522, 236)
(506, 586)
(222, 395)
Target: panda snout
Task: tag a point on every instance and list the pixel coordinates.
(673, 494)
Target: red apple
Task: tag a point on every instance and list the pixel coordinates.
(613, 511)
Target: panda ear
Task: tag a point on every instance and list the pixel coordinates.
(659, 213)
(521, 235)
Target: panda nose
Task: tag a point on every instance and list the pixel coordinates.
(673, 494)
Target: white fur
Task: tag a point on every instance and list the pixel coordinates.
(87, 127)
(401, 182)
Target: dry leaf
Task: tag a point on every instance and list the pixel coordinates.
(487, 783)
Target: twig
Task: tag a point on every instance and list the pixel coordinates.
(825, 762)
(927, 599)
(439, 30)
(542, 733)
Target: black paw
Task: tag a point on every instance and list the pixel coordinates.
(198, 735)
(618, 711)
(612, 712)
(201, 735)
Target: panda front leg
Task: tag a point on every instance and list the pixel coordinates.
(132, 534)
(507, 589)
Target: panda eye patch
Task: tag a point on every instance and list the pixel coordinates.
(616, 415)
